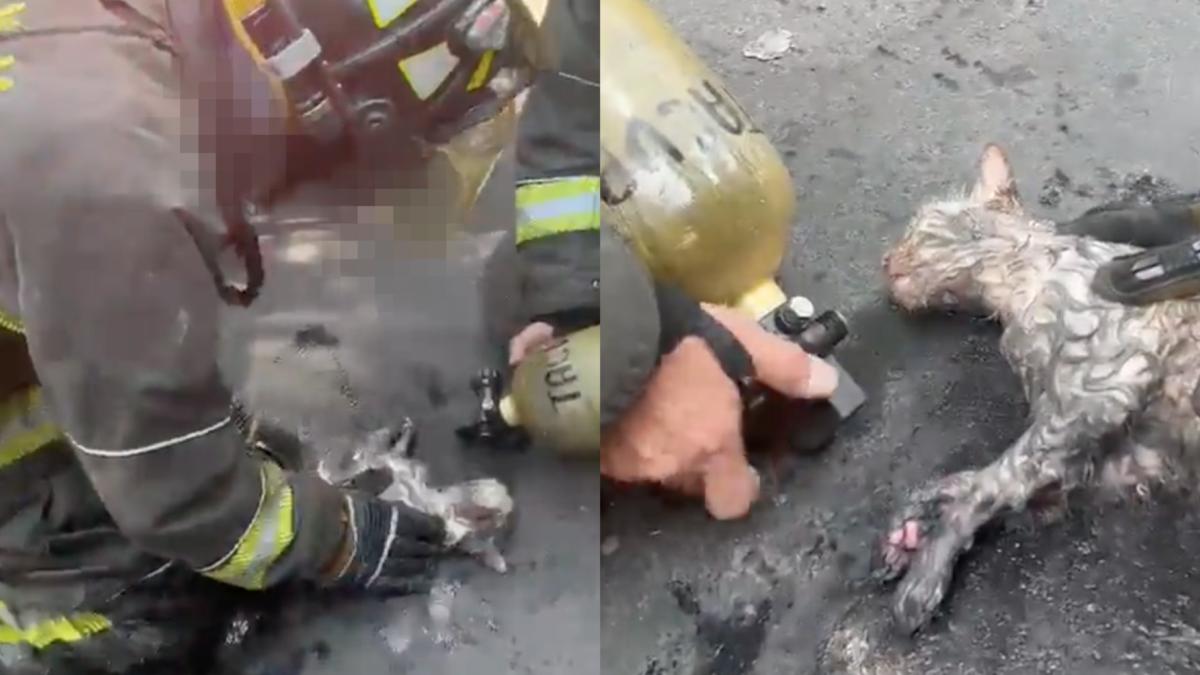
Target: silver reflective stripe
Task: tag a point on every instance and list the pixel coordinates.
(294, 57)
(161, 445)
(387, 546)
(266, 539)
(586, 204)
(353, 538)
(559, 206)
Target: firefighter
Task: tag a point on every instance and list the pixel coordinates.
(131, 509)
(668, 366)
(558, 185)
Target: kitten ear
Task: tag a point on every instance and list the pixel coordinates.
(995, 186)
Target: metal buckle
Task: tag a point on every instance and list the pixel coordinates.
(298, 55)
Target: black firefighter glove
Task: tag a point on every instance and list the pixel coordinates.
(388, 548)
(1168, 230)
(1147, 225)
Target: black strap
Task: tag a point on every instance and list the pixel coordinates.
(141, 25)
(570, 320)
(681, 316)
(241, 237)
(1143, 226)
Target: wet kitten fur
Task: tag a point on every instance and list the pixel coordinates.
(1109, 386)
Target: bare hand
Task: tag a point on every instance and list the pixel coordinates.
(528, 340)
(685, 432)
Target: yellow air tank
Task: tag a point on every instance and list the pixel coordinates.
(701, 194)
(553, 398)
(689, 179)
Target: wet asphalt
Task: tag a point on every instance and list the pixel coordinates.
(877, 106)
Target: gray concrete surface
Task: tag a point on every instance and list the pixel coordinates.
(880, 105)
(407, 320)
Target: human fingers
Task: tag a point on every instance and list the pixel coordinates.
(530, 338)
(778, 363)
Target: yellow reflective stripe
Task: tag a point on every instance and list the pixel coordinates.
(72, 628)
(10, 323)
(557, 188)
(10, 17)
(18, 405)
(385, 12)
(427, 71)
(480, 76)
(557, 206)
(25, 444)
(240, 9)
(25, 426)
(236, 10)
(268, 537)
(6, 62)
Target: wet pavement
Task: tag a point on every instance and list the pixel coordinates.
(876, 106)
(405, 322)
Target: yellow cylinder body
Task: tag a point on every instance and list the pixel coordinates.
(474, 153)
(555, 394)
(696, 187)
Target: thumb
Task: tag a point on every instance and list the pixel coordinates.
(778, 363)
(530, 338)
(731, 485)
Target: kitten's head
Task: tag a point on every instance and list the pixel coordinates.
(935, 263)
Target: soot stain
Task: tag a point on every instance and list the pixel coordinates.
(728, 645)
(430, 380)
(885, 52)
(1138, 189)
(954, 57)
(1058, 184)
(1002, 78)
(1052, 189)
(1064, 100)
(735, 642)
(315, 335)
(685, 596)
(946, 81)
(844, 153)
(794, 132)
